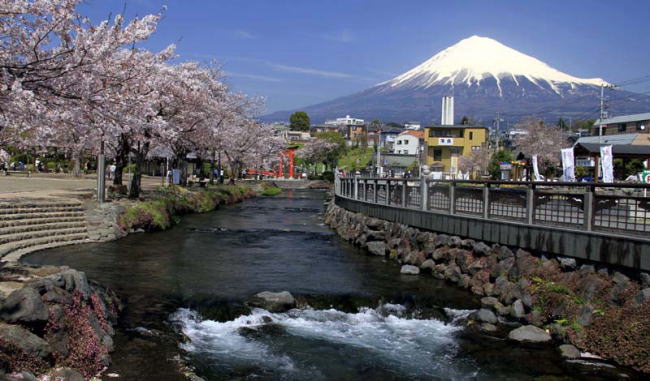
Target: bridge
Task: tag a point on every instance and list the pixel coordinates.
(600, 222)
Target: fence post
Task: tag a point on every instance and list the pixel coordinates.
(424, 194)
(375, 192)
(530, 203)
(387, 200)
(588, 205)
(452, 197)
(404, 194)
(356, 187)
(486, 201)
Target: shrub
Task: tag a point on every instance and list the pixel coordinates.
(328, 176)
(272, 191)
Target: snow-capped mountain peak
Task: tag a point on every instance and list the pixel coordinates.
(475, 58)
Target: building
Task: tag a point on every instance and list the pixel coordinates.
(347, 121)
(412, 126)
(409, 142)
(448, 142)
(388, 137)
(624, 124)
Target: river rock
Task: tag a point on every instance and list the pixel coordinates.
(375, 235)
(567, 264)
(377, 248)
(20, 376)
(409, 270)
(484, 315)
(22, 339)
(569, 351)
(66, 374)
(429, 264)
(645, 279)
(530, 334)
(487, 327)
(642, 297)
(273, 301)
(517, 311)
(481, 249)
(24, 305)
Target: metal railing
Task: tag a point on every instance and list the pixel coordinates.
(616, 208)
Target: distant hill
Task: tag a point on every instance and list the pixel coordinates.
(485, 77)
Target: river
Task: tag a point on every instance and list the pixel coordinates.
(360, 319)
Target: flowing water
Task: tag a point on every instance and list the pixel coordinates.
(359, 319)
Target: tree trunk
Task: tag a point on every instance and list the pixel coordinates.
(121, 158)
(76, 166)
(136, 181)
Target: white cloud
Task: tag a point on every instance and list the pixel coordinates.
(245, 35)
(303, 70)
(344, 36)
(252, 76)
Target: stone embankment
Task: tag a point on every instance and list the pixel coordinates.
(53, 323)
(596, 310)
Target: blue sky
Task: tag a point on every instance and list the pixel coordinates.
(301, 52)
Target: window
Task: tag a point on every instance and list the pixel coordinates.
(622, 127)
(437, 155)
(399, 142)
(471, 135)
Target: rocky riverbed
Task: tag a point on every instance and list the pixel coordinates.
(54, 322)
(590, 311)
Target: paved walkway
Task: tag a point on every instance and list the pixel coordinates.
(43, 187)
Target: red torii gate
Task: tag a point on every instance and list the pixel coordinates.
(290, 153)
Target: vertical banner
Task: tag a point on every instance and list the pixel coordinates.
(607, 163)
(568, 164)
(536, 169)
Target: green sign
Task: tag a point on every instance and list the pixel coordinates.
(645, 176)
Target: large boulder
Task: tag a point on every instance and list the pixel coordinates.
(377, 248)
(568, 351)
(24, 305)
(273, 301)
(529, 334)
(484, 315)
(409, 270)
(21, 339)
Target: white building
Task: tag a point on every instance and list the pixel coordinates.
(347, 121)
(413, 126)
(408, 143)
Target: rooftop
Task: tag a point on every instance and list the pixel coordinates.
(609, 139)
(624, 119)
(455, 126)
(416, 133)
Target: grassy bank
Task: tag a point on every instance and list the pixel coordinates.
(274, 191)
(164, 206)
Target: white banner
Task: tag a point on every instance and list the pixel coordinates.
(568, 165)
(607, 163)
(536, 169)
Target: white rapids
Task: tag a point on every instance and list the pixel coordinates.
(310, 340)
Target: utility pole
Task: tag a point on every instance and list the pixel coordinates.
(379, 154)
(496, 134)
(602, 112)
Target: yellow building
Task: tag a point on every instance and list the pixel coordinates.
(447, 143)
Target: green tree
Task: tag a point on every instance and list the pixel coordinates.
(299, 121)
(468, 121)
(498, 157)
(356, 159)
(333, 137)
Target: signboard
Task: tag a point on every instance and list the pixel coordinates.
(445, 141)
(505, 166)
(536, 169)
(568, 164)
(607, 163)
(645, 176)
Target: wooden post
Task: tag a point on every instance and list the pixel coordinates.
(588, 205)
(452, 198)
(530, 204)
(486, 201)
(424, 194)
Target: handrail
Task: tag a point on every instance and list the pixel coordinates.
(498, 182)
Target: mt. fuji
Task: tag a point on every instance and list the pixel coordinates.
(486, 78)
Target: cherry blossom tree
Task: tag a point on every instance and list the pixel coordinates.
(541, 140)
(476, 161)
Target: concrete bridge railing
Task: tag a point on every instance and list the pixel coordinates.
(600, 222)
